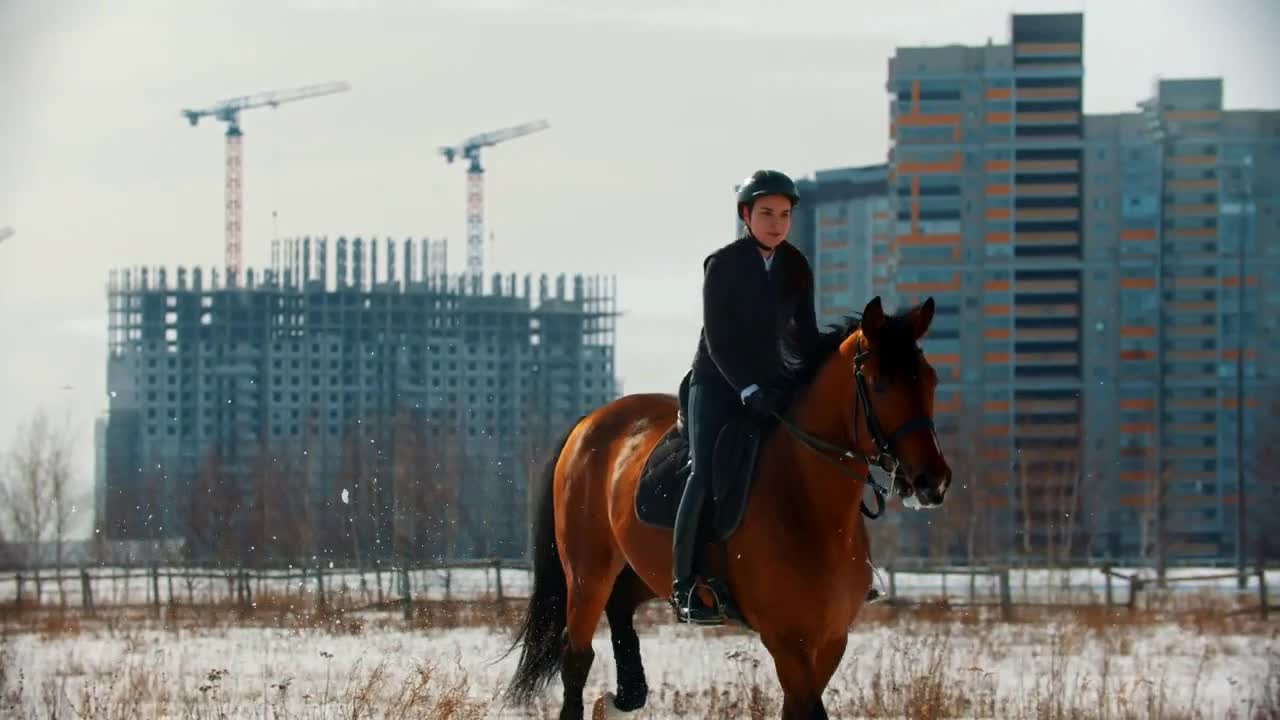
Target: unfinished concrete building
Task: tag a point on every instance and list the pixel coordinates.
(312, 411)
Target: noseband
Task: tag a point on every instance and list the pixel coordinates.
(885, 457)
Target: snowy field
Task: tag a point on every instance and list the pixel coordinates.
(916, 665)
(125, 586)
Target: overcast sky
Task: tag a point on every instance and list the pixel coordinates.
(656, 108)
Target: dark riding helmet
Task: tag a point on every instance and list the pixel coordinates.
(766, 182)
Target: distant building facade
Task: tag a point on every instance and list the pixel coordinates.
(368, 413)
(1086, 270)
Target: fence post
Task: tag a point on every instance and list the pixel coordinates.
(1262, 589)
(406, 596)
(1006, 596)
(1135, 586)
(18, 578)
(893, 583)
(155, 589)
(1106, 573)
(320, 586)
(497, 575)
(86, 591)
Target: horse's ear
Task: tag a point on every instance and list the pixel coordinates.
(873, 319)
(920, 317)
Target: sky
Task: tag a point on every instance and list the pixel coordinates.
(657, 108)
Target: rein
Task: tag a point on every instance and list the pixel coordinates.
(884, 457)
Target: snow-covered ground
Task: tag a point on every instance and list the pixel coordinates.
(893, 668)
(345, 587)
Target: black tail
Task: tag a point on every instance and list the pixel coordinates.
(544, 621)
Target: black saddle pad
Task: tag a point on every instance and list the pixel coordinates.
(666, 471)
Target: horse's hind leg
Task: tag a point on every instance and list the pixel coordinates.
(590, 574)
(629, 592)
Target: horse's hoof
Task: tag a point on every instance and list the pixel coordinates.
(604, 709)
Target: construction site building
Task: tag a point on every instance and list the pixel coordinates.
(311, 411)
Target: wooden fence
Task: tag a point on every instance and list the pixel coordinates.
(93, 588)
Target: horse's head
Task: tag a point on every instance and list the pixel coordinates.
(894, 399)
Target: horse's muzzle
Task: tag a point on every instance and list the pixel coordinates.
(930, 488)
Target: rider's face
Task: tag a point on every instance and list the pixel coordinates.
(771, 219)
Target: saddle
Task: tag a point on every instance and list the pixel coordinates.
(666, 471)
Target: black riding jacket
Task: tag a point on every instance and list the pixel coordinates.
(747, 310)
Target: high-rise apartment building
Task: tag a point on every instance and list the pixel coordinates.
(843, 219)
(1087, 276)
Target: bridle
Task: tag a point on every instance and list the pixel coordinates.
(885, 456)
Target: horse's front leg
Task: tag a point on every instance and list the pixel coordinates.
(804, 668)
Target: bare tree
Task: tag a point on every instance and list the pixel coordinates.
(35, 493)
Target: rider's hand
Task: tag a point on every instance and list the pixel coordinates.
(763, 401)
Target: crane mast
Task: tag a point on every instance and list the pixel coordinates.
(228, 111)
(469, 150)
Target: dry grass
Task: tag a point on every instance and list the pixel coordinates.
(924, 661)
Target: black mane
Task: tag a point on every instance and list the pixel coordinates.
(897, 349)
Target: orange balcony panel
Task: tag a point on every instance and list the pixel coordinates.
(1137, 428)
(1048, 189)
(918, 120)
(1047, 214)
(1138, 234)
(997, 213)
(996, 334)
(998, 93)
(1137, 331)
(996, 358)
(1193, 160)
(997, 166)
(998, 238)
(1231, 404)
(998, 118)
(1233, 281)
(1137, 404)
(954, 165)
(1138, 283)
(995, 310)
(998, 189)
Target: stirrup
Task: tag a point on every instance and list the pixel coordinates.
(683, 602)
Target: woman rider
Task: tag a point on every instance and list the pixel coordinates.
(757, 305)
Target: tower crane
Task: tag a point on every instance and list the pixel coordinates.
(469, 149)
(228, 111)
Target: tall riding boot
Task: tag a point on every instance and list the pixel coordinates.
(689, 606)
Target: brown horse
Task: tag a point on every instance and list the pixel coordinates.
(798, 564)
